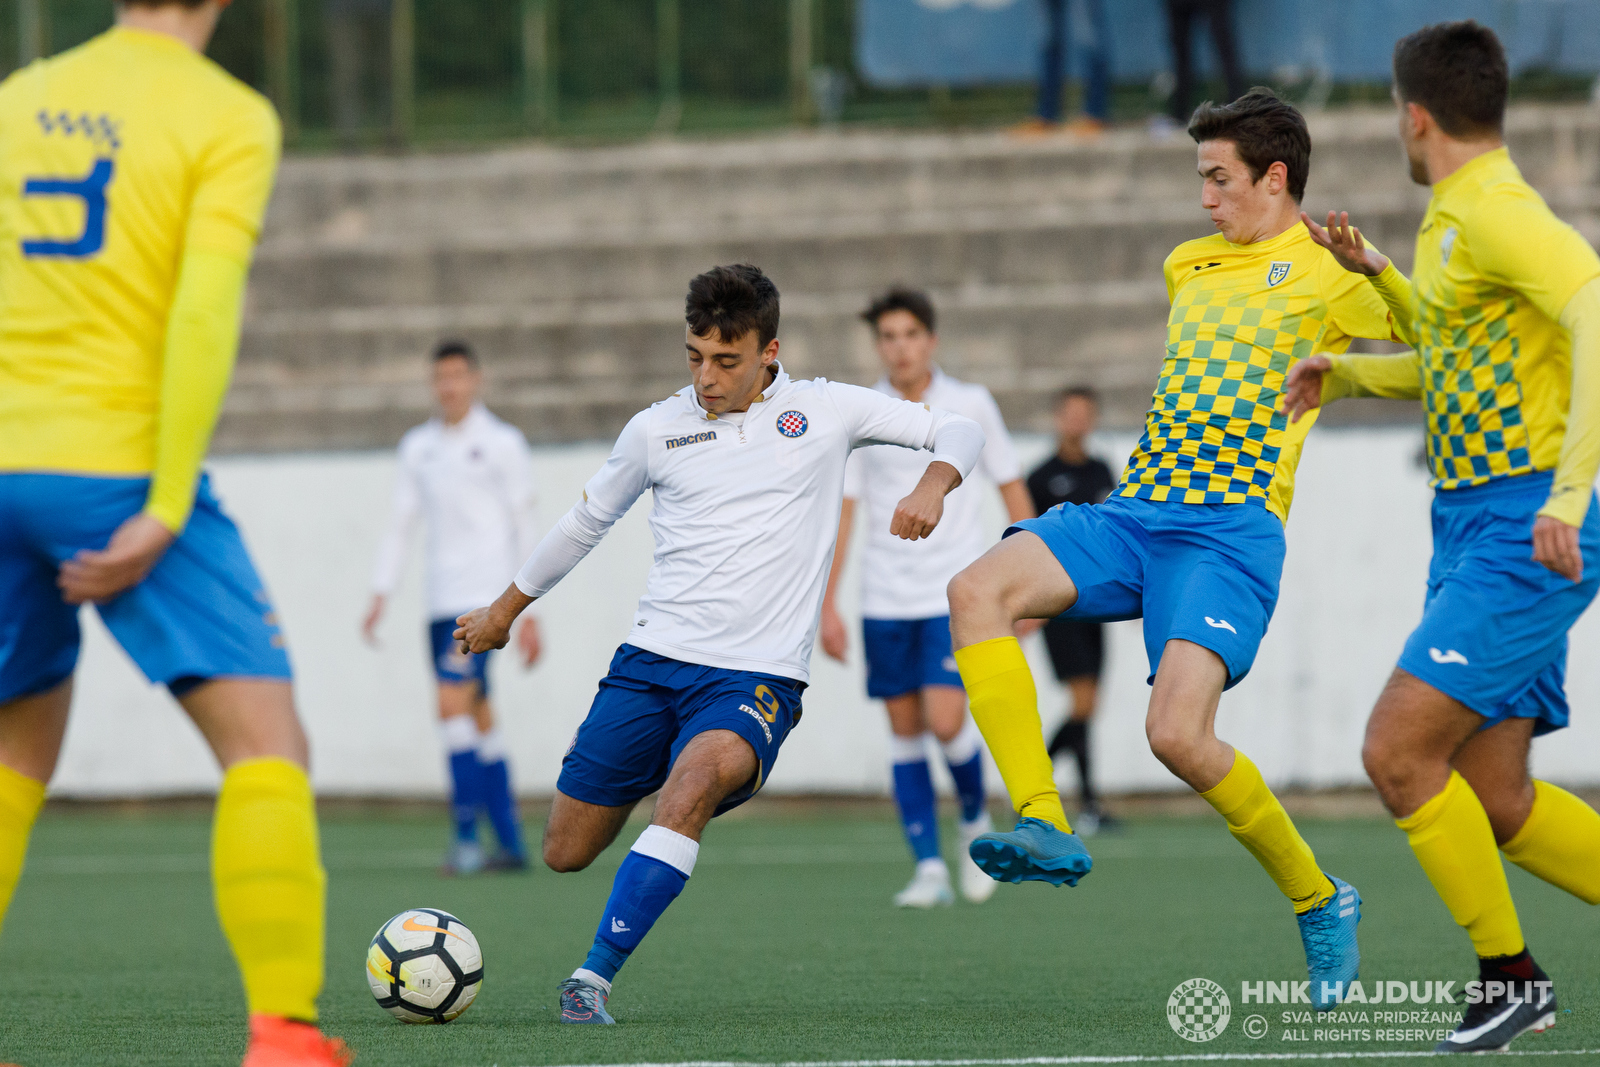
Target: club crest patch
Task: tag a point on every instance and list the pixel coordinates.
(1279, 271)
(1447, 244)
(792, 424)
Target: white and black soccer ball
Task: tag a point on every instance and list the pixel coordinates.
(424, 966)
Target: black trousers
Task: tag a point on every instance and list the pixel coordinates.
(1181, 18)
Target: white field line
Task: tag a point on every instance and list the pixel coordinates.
(1067, 1061)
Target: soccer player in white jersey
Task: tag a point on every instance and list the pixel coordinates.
(469, 477)
(746, 466)
(905, 624)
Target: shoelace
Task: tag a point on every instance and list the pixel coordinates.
(1321, 935)
(586, 995)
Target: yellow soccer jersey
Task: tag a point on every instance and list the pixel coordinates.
(121, 161)
(1241, 316)
(1494, 269)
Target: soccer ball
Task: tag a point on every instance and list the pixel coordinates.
(424, 966)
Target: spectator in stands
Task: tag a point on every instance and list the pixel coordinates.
(1087, 20)
(1181, 16)
(358, 66)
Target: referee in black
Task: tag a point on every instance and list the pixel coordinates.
(1077, 649)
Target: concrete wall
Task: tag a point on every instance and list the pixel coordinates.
(1358, 551)
(567, 266)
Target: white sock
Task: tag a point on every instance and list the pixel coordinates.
(459, 733)
(963, 746)
(908, 749)
(670, 847)
(933, 863)
(491, 746)
(584, 974)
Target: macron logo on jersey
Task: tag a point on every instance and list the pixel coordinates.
(691, 439)
(1447, 656)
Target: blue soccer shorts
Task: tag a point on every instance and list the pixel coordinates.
(1494, 625)
(905, 655)
(200, 613)
(1206, 573)
(649, 707)
(453, 666)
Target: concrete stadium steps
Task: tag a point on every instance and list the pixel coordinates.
(567, 266)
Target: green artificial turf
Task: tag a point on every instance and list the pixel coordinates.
(783, 948)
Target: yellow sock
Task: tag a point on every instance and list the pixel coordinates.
(270, 885)
(1560, 843)
(1451, 836)
(1006, 708)
(20, 800)
(1258, 822)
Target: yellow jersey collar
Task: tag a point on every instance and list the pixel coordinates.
(1288, 237)
(152, 38)
(1476, 166)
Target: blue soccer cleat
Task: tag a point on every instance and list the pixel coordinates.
(1329, 933)
(583, 1003)
(1034, 851)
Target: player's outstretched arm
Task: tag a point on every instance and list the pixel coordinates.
(1302, 389)
(918, 513)
(488, 628)
(1346, 244)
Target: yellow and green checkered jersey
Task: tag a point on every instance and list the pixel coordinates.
(130, 168)
(1241, 316)
(1494, 269)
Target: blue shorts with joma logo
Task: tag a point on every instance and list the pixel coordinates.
(650, 707)
(1494, 625)
(1206, 573)
(200, 613)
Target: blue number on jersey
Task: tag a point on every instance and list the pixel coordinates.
(91, 189)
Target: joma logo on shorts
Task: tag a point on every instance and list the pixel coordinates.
(758, 717)
(692, 439)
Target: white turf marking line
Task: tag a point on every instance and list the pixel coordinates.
(1067, 1061)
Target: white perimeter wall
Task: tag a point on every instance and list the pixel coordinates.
(1352, 590)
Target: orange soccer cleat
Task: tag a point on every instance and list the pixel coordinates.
(279, 1042)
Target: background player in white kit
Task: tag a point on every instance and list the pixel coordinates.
(905, 617)
(747, 472)
(469, 477)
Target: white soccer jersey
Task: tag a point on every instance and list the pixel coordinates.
(472, 484)
(906, 579)
(746, 514)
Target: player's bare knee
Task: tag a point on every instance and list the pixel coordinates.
(968, 592)
(1172, 742)
(563, 854)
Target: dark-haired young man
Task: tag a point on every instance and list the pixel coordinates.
(905, 619)
(1077, 648)
(132, 187)
(468, 476)
(1192, 539)
(747, 469)
(1505, 312)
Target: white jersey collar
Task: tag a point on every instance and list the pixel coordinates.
(474, 417)
(779, 383)
(934, 382)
